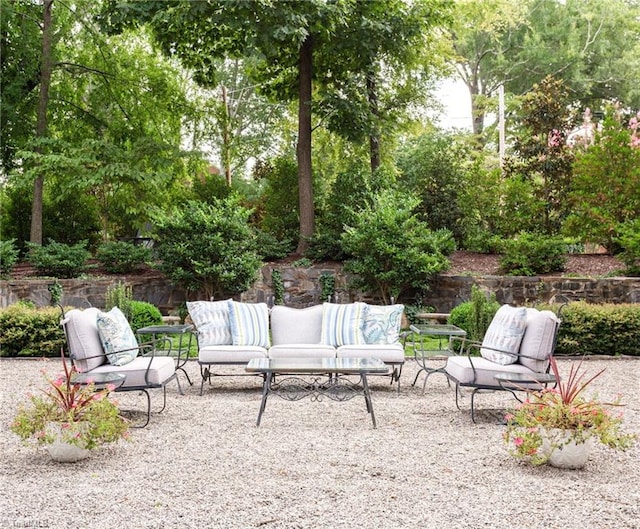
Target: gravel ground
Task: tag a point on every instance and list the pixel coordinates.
(203, 463)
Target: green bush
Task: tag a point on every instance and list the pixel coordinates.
(143, 314)
(607, 329)
(475, 316)
(29, 331)
(393, 252)
(59, 259)
(532, 254)
(629, 241)
(120, 257)
(208, 247)
(8, 256)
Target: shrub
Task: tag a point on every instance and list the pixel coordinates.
(8, 256)
(120, 257)
(607, 329)
(531, 254)
(629, 241)
(144, 314)
(29, 331)
(393, 251)
(208, 247)
(59, 259)
(121, 296)
(475, 316)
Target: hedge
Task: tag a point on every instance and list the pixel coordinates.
(29, 331)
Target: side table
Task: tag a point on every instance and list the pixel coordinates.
(99, 380)
(422, 354)
(526, 382)
(162, 334)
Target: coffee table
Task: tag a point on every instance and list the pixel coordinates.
(317, 378)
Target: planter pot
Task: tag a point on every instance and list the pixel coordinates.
(563, 450)
(61, 450)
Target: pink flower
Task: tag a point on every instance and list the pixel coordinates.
(111, 387)
(518, 441)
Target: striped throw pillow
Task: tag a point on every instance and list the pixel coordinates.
(249, 323)
(342, 323)
(211, 319)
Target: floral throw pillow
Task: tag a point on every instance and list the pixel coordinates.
(382, 324)
(118, 341)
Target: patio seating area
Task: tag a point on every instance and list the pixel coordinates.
(311, 464)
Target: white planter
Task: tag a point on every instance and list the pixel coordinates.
(564, 450)
(61, 450)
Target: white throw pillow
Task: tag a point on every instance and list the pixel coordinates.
(504, 334)
(118, 341)
(538, 340)
(249, 323)
(211, 319)
(342, 323)
(382, 324)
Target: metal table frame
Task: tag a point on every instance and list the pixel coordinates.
(421, 354)
(160, 333)
(322, 377)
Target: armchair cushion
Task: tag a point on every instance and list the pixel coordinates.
(479, 371)
(539, 339)
(504, 334)
(118, 341)
(342, 323)
(211, 319)
(249, 323)
(85, 348)
(382, 324)
(155, 370)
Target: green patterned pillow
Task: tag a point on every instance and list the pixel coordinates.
(382, 324)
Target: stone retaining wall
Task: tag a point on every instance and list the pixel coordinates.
(303, 288)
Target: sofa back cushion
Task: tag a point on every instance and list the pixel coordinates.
(249, 323)
(342, 323)
(211, 319)
(296, 326)
(85, 347)
(539, 339)
(118, 341)
(504, 334)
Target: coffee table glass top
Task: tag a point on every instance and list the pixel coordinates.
(99, 379)
(317, 365)
(437, 329)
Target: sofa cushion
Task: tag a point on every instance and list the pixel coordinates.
(249, 323)
(294, 326)
(85, 347)
(539, 339)
(118, 341)
(302, 350)
(461, 369)
(211, 319)
(342, 323)
(230, 354)
(382, 324)
(388, 353)
(162, 368)
(504, 334)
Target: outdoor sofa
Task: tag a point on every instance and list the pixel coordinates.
(232, 333)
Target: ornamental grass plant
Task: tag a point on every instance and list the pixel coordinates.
(566, 408)
(86, 415)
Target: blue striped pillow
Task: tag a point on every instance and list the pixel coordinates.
(342, 323)
(249, 323)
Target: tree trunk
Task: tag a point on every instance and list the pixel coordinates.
(374, 135)
(41, 126)
(305, 177)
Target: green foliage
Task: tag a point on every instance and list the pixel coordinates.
(121, 257)
(58, 259)
(119, 295)
(143, 314)
(208, 247)
(532, 254)
(55, 289)
(432, 165)
(607, 329)
(270, 248)
(29, 331)
(605, 192)
(8, 256)
(278, 287)
(629, 241)
(327, 286)
(393, 251)
(474, 316)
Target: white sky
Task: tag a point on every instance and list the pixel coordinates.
(454, 96)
